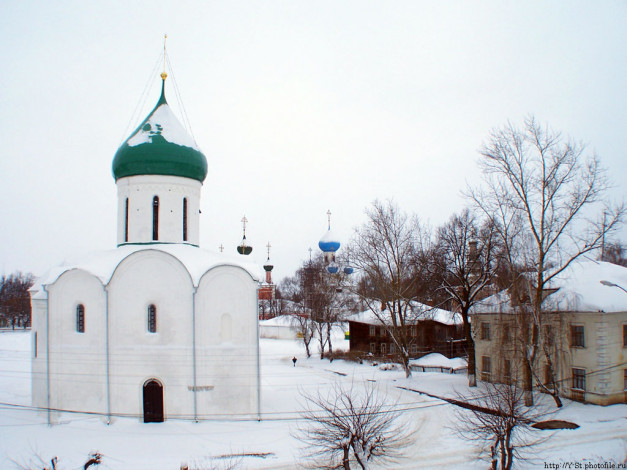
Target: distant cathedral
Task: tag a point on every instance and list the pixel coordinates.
(156, 328)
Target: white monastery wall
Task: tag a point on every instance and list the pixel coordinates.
(226, 342)
(140, 191)
(39, 364)
(77, 360)
(137, 355)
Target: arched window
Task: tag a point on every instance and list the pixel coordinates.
(155, 218)
(152, 319)
(126, 221)
(184, 219)
(80, 318)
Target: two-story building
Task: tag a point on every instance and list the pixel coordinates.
(428, 329)
(583, 331)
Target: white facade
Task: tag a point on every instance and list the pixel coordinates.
(204, 351)
(177, 211)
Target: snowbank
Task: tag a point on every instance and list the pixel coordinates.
(436, 362)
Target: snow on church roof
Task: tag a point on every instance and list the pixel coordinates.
(102, 264)
(420, 312)
(579, 289)
(160, 146)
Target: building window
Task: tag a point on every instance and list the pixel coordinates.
(507, 370)
(184, 219)
(577, 337)
(35, 345)
(392, 348)
(373, 348)
(80, 318)
(383, 348)
(126, 221)
(155, 218)
(624, 379)
(579, 379)
(506, 332)
(373, 331)
(152, 319)
(486, 368)
(414, 349)
(625, 336)
(382, 331)
(485, 331)
(549, 337)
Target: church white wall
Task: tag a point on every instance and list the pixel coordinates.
(226, 343)
(140, 191)
(77, 361)
(38, 369)
(151, 277)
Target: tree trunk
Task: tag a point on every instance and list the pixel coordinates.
(346, 464)
(470, 346)
(306, 342)
(330, 347)
(554, 389)
(527, 381)
(405, 361)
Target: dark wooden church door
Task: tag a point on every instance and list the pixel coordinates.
(153, 402)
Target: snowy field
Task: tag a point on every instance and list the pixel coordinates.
(130, 444)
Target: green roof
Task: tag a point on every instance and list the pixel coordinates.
(160, 146)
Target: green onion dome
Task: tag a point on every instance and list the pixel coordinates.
(160, 146)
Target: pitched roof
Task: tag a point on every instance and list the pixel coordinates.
(585, 286)
(420, 312)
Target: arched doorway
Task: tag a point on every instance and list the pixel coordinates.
(153, 402)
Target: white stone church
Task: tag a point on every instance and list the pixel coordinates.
(156, 328)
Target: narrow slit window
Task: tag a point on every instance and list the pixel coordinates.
(152, 319)
(184, 219)
(155, 218)
(80, 318)
(126, 221)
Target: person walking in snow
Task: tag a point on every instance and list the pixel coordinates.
(294, 360)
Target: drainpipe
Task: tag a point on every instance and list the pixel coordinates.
(195, 388)
(106, 293)
(47, 351)
(258, 359)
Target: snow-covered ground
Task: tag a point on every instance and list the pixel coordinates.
(128, 443)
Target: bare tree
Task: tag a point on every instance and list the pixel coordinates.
(541, 191)
(320, 300)
(15, 299)
(349, 425)
(384, 251)
(500, 423)
(614, 252)
(464, 259)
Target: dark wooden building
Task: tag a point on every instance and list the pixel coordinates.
(437, 331)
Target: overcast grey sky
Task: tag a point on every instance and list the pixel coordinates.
(299, 107)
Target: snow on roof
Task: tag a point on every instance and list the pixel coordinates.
(420, 312)
(585, 286)
(163, 121)
(439, 360)
(103, 264)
